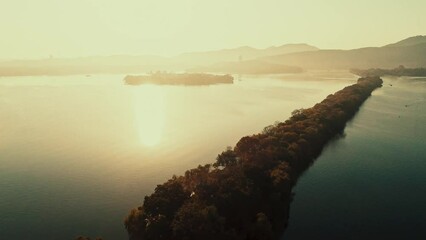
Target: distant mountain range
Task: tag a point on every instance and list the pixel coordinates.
(126, 64)
(289, 58)
(241, 54)
(410, 52)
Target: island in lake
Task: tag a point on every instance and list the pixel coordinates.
(399, 71)
(192, 79)
(247, 192)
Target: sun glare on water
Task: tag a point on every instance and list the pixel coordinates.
(149, 109)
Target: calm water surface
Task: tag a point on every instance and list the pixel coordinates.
(371, 184)
(77, 153)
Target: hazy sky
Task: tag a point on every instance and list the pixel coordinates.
(69, 28)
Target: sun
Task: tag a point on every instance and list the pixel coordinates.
(149, 109)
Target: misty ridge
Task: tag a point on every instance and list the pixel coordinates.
(288, 58)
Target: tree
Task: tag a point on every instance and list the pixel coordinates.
(195, 220)
(226, 158)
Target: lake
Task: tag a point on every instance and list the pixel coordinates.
(370, 184)
(78, 152)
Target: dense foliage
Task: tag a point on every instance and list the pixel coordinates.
(193, 79)
(246, 194)
(399, 71)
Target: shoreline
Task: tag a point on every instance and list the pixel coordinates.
(247, 192)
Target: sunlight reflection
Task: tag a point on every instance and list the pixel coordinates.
(149, 108)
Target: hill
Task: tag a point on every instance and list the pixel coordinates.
(410, 52)
(411, 41)
(241, 53)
